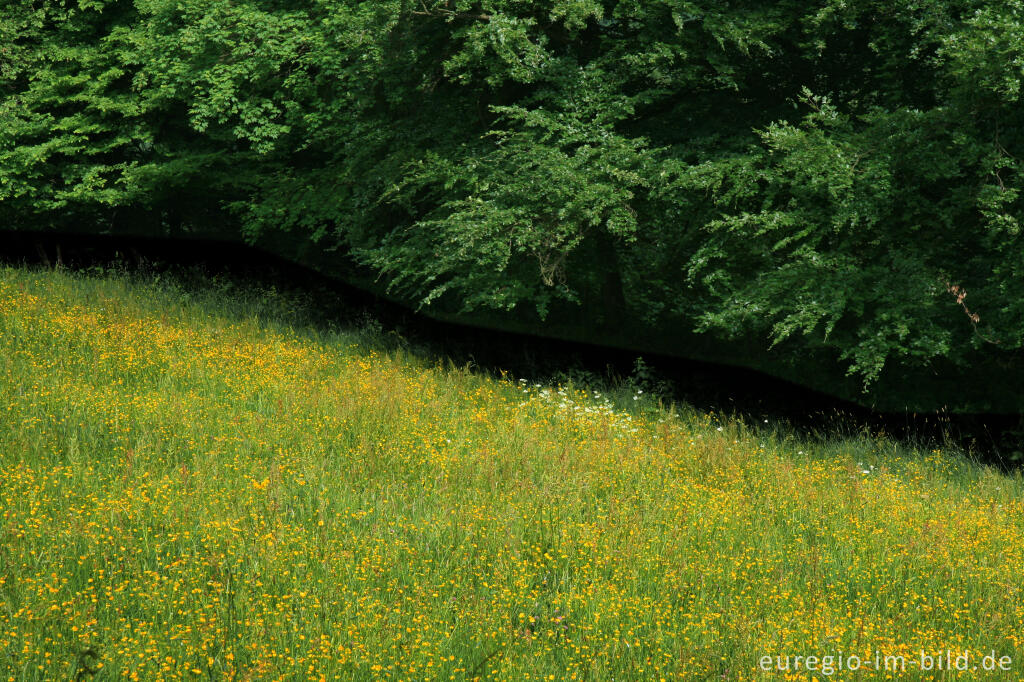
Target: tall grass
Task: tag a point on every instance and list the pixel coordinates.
(209, 487)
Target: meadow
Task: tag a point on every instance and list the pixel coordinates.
(202, 484)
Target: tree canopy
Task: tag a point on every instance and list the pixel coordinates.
(836, 178)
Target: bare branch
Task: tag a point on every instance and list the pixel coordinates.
(961, 294)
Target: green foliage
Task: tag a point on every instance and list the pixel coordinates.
(500, 223)
(839, 178)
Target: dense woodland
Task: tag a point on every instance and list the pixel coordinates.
(829, 190)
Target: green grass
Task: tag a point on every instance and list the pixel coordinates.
(207, 486)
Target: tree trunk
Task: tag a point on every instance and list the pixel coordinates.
(42, 254)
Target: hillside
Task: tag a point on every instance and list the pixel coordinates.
(205, 485)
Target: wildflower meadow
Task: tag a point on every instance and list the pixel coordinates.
(204, 486)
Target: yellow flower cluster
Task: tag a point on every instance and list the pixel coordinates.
(188, 492)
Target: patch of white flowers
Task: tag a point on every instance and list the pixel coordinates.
(593, 404)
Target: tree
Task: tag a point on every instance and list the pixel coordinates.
(836, 180)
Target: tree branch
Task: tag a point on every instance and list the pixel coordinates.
(438, 13)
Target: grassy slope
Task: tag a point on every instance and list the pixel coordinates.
(205, 487)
